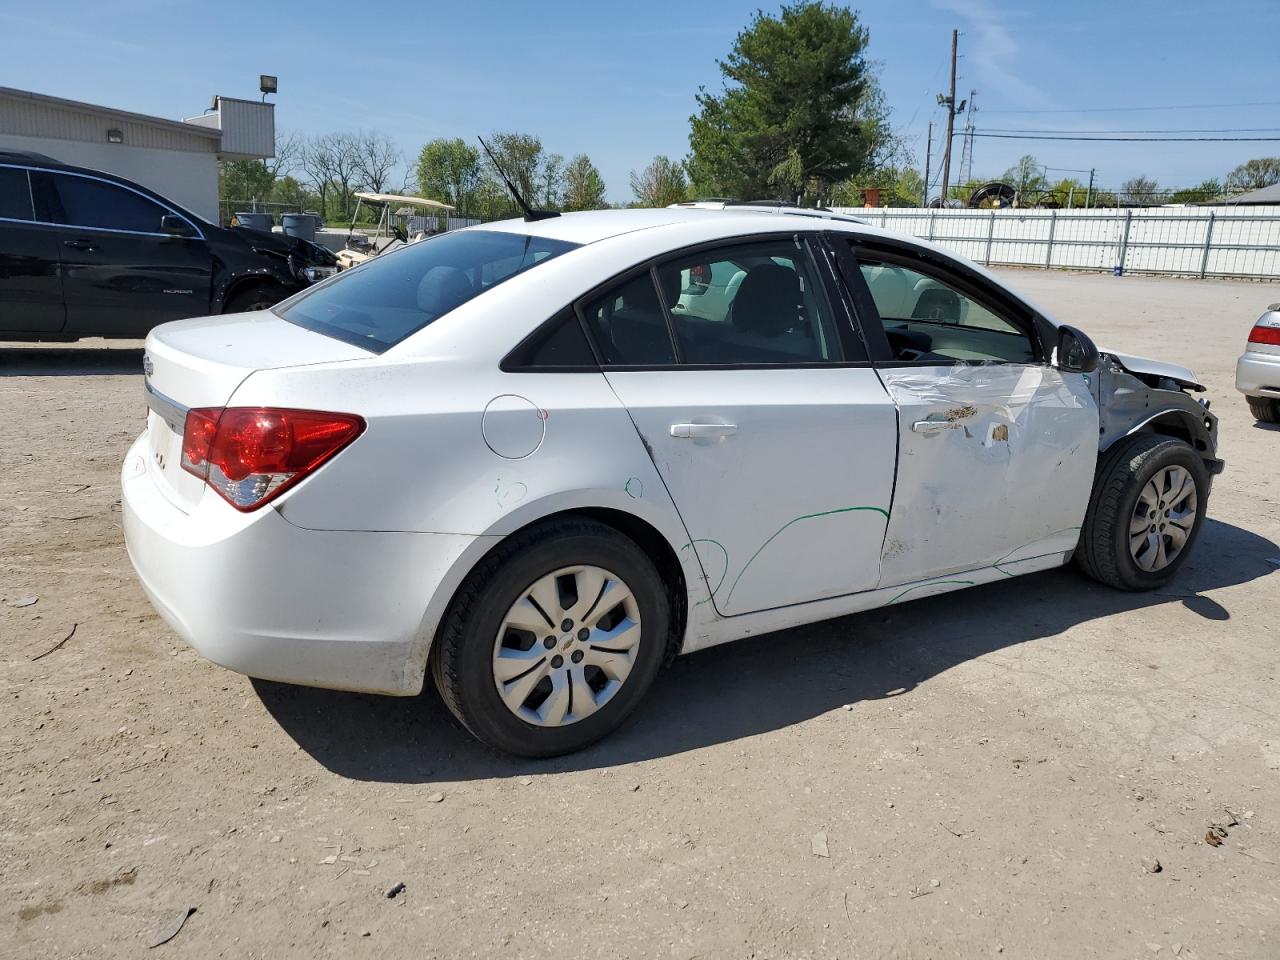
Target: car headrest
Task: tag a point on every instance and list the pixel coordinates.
(442, 288)
(768, 302)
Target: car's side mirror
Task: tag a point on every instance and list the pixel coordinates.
(175, 226)
(1076, 352)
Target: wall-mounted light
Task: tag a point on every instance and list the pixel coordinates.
(115, 135)
(266, 83)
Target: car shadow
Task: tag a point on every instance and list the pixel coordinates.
(69, 361)
(763, 683)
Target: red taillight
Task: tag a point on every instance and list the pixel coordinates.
(251, 455)
(1268, 335)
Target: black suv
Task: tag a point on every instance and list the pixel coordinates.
(88, 254)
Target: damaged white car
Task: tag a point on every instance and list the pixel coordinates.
(538, 459)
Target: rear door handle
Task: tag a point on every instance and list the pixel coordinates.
(933, 426)
(78, 244)
(702, 431)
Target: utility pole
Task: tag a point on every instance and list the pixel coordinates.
(928, 156)
(966, 151)
(950, 103)
(1088, 197)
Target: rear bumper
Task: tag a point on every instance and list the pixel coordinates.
(1258, 374)
(258, 595)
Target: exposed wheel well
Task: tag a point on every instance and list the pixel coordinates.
(658, 550)
(249, 283)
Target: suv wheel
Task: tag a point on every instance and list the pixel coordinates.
(1148, 504)
(1265, 409)
(260, 296)
(554, 639)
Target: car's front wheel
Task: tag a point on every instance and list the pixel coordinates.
(1147, 507)
(1265, 409)
(553, 640)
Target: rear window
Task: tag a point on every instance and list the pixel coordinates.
(381, 302)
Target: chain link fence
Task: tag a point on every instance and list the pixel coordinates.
(1241, 242)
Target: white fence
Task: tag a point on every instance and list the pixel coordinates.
(1186, 241)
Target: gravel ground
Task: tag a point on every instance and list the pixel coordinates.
(996, 771)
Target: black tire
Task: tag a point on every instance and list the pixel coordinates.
(1265, 409)
(259, 296)
(462, 657)
(1103, 551)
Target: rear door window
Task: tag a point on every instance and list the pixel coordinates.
(97, 204)
(761, 304)
(384, 300)
(15, 194)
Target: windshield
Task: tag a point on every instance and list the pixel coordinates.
(384, 300)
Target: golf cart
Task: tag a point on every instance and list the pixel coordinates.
(395, 214)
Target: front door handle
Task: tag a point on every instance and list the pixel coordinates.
(78, 244)
(703, 431)
(933, 426)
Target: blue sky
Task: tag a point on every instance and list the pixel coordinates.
(617, 80)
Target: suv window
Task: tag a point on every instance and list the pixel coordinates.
(15, 194)
(95, 203)
(381, 302)
(762, 303)
(926, 318)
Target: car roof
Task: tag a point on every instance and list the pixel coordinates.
(591, 226)
(678, 226)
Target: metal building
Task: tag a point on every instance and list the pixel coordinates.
(176, 158)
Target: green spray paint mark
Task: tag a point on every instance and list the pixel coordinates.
(634, 488)
(723, 573)
(807, 516)
(1005, 558)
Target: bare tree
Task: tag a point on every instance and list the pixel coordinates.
(1139, 191)
(317, 163)
(376, 156)
(289, 147)
(331, 162)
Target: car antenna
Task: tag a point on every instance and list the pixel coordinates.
(530, 214)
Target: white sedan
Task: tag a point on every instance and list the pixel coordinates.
(1258, 370)
(539, 459)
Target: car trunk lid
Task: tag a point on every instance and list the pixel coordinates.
(201, 363)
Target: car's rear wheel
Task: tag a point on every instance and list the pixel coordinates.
(1147, 507)
(554, 639)
(1265, 409)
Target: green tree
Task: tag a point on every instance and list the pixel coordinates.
(1027, 177)
(1205, 192)
(244, 180)
(1254, 175)
(538, 175)
(583, 185)
(449, 170)
(797, 112)
(660, 184)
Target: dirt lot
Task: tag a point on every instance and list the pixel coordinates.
(994, 771)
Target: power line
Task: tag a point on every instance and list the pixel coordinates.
(1110, 132)
(1179, 106)
(1039, 136)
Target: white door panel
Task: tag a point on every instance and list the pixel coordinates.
(782, 477)
(996, 465)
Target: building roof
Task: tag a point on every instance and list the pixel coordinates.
(110, 112)
(1270, 195)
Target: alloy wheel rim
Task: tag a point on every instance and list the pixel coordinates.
(1163, 519)
(566, 646)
